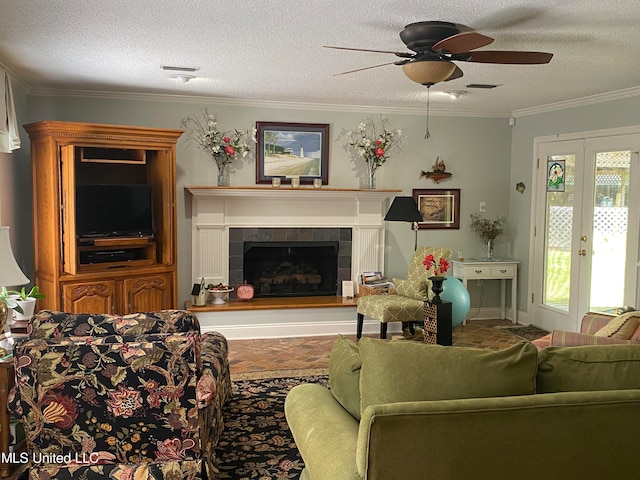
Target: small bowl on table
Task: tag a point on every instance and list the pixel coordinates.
(219, 294)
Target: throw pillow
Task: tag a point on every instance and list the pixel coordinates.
(344, 375)
(588, 368)
(636, 335)
(622, 326)
(411, 288)
(397, 371)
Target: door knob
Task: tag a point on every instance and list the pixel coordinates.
(582, 252)
(583, 238)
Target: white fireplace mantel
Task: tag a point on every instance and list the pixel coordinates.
(217, 209)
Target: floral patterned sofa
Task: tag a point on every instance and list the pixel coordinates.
(134, 396)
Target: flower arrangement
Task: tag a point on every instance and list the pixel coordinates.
(487, 229)
(222, 146)
(439, 268)
(374, 144)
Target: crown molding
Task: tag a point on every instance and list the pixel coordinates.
(16, 82)
(269, 104)
(327, 107)
(579, 102)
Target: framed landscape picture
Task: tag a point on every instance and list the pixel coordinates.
(440, 208)
(287, 150)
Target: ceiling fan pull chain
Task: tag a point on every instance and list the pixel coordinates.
(427, 135)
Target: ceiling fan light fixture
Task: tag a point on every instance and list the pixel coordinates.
(428, 72)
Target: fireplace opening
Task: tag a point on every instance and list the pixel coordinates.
(286, 269)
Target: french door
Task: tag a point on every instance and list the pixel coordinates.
(585, 247)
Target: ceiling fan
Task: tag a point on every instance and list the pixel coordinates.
(437, 45)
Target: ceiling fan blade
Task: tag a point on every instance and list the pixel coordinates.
(457, 73)
(507, 57)
(368, 68)
(397, 54)
(462, 42)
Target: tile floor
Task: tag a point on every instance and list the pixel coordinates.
(313, 352)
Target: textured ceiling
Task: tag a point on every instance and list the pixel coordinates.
(272, 49)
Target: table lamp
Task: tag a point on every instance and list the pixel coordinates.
(10, 273)
(404, 209)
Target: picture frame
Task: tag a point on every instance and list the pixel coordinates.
(440, 208)
(288, 150)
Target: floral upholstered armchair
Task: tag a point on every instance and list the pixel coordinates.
(134, 396)
(406, 302)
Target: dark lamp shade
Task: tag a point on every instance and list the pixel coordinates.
(403, 209)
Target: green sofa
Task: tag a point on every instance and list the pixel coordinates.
(403, 410)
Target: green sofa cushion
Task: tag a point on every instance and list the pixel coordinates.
(344, 375)
(593, 367)
(399, 371)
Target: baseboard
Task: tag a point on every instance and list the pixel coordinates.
(248, 325)
(284, 330)
(490, 313)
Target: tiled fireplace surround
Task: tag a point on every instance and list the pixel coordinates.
(220, 215)
(238, 237)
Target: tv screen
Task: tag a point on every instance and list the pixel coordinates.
(114, 211)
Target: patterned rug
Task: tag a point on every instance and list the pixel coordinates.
(256, 442)
(528, 332)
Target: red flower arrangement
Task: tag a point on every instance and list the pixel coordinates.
(374, 144)
(222, 146)
(439, 268)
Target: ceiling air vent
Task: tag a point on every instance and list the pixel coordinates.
(171, 68)
(486, 86)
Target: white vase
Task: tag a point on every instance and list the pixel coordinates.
(28, 307)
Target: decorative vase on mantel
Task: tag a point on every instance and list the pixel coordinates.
(371, 181)
(437, 288)
(223, 175)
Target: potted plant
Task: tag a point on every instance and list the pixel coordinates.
(26, 302)
(10, 302)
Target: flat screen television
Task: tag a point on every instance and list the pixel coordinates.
(114, 211)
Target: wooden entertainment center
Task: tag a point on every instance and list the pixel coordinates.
(106, 273)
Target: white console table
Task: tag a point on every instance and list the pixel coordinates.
(485, 269)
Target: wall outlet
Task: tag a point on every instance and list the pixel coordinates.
(483, 207)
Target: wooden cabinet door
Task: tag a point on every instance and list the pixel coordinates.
(149, 293)
(68, 208)
(96, 297)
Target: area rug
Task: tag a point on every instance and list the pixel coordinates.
(256, 442)
(528, 332)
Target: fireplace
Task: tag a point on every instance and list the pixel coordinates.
(287, 269)
(223, 218)
(318, 248)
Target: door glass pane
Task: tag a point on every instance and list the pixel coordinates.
(610, 216)
(559, 226)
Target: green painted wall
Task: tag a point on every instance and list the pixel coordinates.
(601, 116)
(475, 150)
(486, 156)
